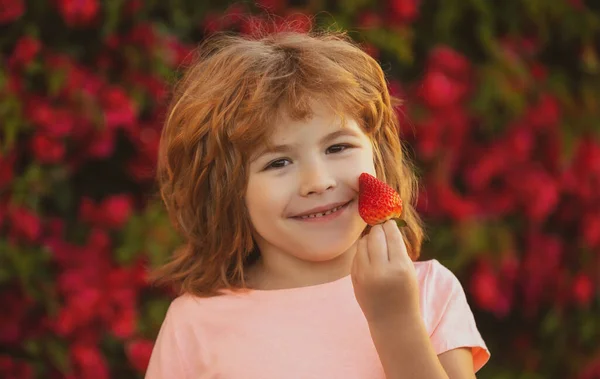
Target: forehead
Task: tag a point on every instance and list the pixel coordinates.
(321, 121)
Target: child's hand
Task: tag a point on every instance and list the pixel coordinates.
(383, 275)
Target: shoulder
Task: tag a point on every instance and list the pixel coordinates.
(432, 274)
(439, 289)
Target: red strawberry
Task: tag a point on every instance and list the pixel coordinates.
(377, 201)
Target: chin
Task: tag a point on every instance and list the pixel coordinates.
(320, 254)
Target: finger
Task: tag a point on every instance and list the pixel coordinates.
(361, 258)
(395, 241)
(377, 246)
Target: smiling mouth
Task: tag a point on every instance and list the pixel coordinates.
(323, 214)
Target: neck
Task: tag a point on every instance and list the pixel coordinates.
(285, 271)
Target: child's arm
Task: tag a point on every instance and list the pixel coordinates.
(405, 351)
(387, 289)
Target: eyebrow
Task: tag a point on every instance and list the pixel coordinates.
(329, 137)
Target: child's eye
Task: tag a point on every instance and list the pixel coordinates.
(278, 163)
(337, 148)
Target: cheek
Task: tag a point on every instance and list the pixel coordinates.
(263, 197)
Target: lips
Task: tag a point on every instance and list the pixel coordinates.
(321, 209)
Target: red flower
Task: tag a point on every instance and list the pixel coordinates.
(272, 5)
(438, 90)
(142, 168)
(25, 224)
(133, 6)
(449, 61)
(11, 10)
(404, 11)
(47, 149)
(116, 210)
(591, 229)
(56, 123)
(545, 113)
(295, 22)
(429, 137)
(541, 269)
(78, 12)
(89, 362)
(87, 210)
(13, 316)
(539, 71)
(583, 290)
(102, 144)
(143, 35)
(14, 369)
(25, 50)
(124, 322)
(7, 163)
(486, 291)
(454, 205)
(138, 352)
(519, 142)
(369, 20)
(119, 109)
(537, 190)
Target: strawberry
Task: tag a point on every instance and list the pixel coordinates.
(377, 201)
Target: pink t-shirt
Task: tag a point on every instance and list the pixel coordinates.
(305, 333)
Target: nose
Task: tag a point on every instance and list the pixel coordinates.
(316, 178)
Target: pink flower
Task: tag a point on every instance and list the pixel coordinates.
(78, 12)
(24, 52)
(11, 10)
(138, 352)
(47, 149)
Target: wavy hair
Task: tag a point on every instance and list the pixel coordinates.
(224, 107)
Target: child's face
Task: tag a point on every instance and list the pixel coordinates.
(318, 168)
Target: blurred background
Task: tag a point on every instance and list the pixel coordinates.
(501, 116)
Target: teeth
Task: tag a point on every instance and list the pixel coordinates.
(315, 215)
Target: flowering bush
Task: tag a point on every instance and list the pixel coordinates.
(500, 112)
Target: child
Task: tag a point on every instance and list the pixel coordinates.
(280, 277)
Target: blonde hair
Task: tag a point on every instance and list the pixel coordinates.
(224, 107)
